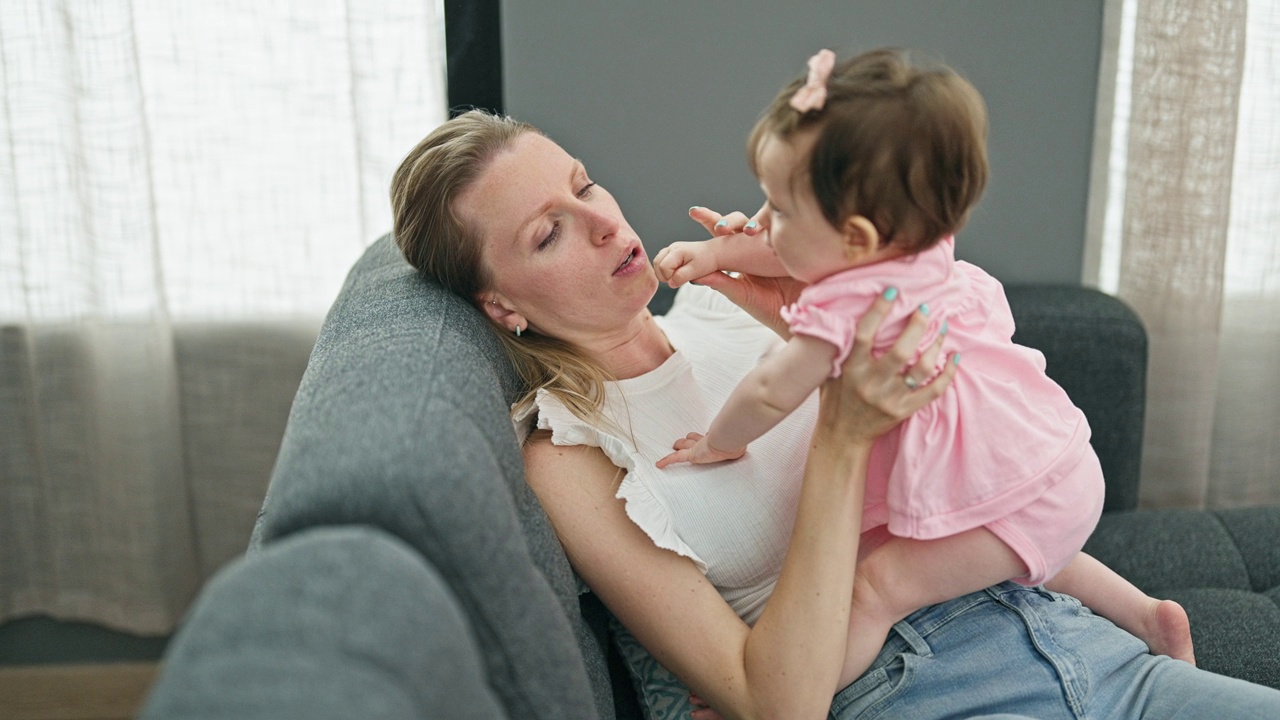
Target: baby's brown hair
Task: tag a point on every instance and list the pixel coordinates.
(899, 143)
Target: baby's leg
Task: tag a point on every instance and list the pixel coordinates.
(1161, 624)
(904, 575)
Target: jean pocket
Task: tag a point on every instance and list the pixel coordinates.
(871, 695)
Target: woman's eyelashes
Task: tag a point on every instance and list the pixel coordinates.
(554, 234)
(551, 236)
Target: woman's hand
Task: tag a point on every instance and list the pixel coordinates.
(762, 297)
(873, 395)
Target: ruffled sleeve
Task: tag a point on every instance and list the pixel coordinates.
(817, 322)
(644, 508)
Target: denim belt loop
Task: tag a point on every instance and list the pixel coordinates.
(912, 638)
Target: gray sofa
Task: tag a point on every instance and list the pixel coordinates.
(400, 567)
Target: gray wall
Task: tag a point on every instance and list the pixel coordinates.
(657, 98)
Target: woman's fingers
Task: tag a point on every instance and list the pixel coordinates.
(758, 222)
(718, 224)
(927, 366)
(933, 389)
(864, 337)
(904, 348)
(734, 222)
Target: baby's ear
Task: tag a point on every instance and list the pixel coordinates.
(861, 239)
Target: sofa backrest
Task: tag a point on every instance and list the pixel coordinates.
(1095, 347)
(401, 422)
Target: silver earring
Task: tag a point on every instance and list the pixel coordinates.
(518, 331)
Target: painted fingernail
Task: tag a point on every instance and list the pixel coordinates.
(955, 359)
(751, 225)
(924, 308)
(722, 223)
(944, 328)
(890, 293)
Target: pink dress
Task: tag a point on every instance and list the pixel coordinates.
(1004, 448)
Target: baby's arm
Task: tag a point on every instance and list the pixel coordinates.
(778, 385)
(680, 262)
(1161, 624)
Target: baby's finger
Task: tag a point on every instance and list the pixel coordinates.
(756, 224)
(680, 456)
(662, 254)
(684, 274)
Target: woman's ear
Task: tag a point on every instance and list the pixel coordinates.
(496, 308)
(861, 239)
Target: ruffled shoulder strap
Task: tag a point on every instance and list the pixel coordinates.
(644, 508)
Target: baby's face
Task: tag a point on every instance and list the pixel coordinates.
(808, 246)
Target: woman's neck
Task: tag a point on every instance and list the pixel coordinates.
(634, 350)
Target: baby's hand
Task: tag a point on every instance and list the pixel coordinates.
(680, 262)
(694, 448)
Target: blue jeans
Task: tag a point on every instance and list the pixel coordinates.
(1017, 651)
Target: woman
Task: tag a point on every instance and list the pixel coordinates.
(508, 220)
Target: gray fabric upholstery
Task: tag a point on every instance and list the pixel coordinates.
(401, 422)
(370, 631)
(1222, 566)
(1096, 348)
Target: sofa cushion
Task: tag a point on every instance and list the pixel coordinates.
(328, 623)
(1223, 566)
(400, 422)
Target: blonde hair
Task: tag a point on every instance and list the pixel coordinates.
(901, 144)
(435, 240)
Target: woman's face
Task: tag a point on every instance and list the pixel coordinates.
(561, 257)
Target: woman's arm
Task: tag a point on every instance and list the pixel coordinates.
(788, 664)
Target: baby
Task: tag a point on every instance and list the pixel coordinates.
(869, 168)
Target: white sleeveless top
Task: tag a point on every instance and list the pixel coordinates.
(732, 519)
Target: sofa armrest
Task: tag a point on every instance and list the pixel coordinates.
(328, 623)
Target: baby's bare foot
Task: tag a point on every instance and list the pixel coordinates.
(1168, 631)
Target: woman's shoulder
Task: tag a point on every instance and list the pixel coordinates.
(546, 460)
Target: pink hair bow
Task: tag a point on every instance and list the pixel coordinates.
(813, 94)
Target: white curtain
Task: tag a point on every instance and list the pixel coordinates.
(183, 187)
(1192, 216)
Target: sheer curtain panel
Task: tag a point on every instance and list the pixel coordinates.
(182, 189)
(1191, 185)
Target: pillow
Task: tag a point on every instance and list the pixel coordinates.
(662, 695)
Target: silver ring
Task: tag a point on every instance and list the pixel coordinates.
(910, 382)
